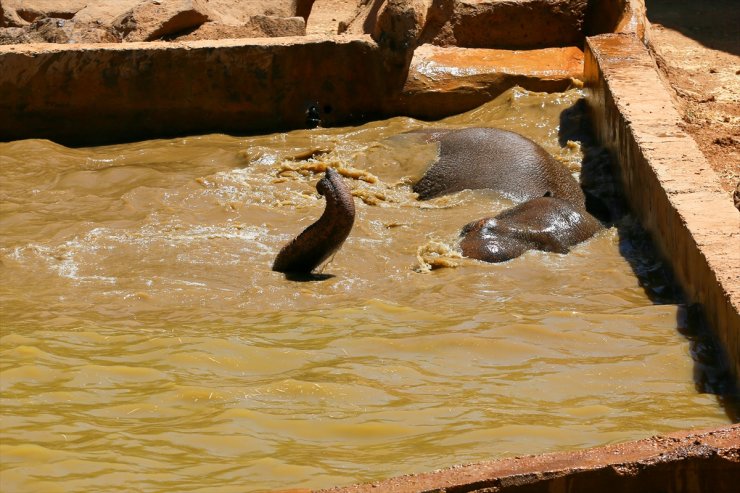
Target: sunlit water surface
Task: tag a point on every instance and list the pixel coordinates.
(147, 346)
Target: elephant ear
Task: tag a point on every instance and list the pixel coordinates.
(429, 186)
(444, 177)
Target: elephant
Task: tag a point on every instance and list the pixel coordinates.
(549, 224)
(325, 236)
(509, 163)
(550, 214)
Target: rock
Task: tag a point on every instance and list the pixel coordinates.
(31, 10)
(50, 30)
(14, 35)
(259, 26)
(330, 17)
(271, 26)
(238, 12)
(104, 12)
(400, 23)
(216, 30)
(509, 24)
(56, 30)
(58, 21)
(92, 32)
(396, 29)
(19, 13)
(42, 30)
(446, 80)
(154, 19)
(8, 15)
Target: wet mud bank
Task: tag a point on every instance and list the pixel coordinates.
(693, 461)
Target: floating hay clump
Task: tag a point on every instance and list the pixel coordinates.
(435, 255)
(315, 167)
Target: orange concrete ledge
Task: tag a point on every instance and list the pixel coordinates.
(667, 180)
(98, 93)
(101, 93)
(706, 461)
(447, 80)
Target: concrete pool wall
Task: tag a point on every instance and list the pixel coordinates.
(401, 58)
(668, 182)
(101, 93)
(678, 462)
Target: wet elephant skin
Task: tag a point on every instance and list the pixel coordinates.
(509, 163)
(324, 237)
(545, 223)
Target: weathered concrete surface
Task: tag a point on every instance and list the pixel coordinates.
(615, 16)
(705, 461)
(509, 24)
(667, 180)
(86, 94)
(332, 16)
(148, 21)
(443, 81)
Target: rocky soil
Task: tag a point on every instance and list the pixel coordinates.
(111, 21)
(697, 47)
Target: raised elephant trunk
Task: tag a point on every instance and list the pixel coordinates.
(324, 237)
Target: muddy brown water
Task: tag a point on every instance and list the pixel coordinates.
(146, 344)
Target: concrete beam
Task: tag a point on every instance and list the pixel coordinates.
(99, 93)
(683, 461)
(668, 182)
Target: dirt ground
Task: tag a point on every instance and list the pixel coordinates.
(697, 46)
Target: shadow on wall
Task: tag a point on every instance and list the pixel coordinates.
(714, 24)
(712, 374)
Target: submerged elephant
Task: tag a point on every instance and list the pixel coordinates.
(545, 223)
(509, 163)
(551, 213)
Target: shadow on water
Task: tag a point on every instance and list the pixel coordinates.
(307, 277)
(605, 200)
(713, 24)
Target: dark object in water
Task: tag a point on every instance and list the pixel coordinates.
(324, 237)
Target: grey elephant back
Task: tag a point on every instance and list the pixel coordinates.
(478, 158)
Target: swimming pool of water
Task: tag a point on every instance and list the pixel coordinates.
(147, 345)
